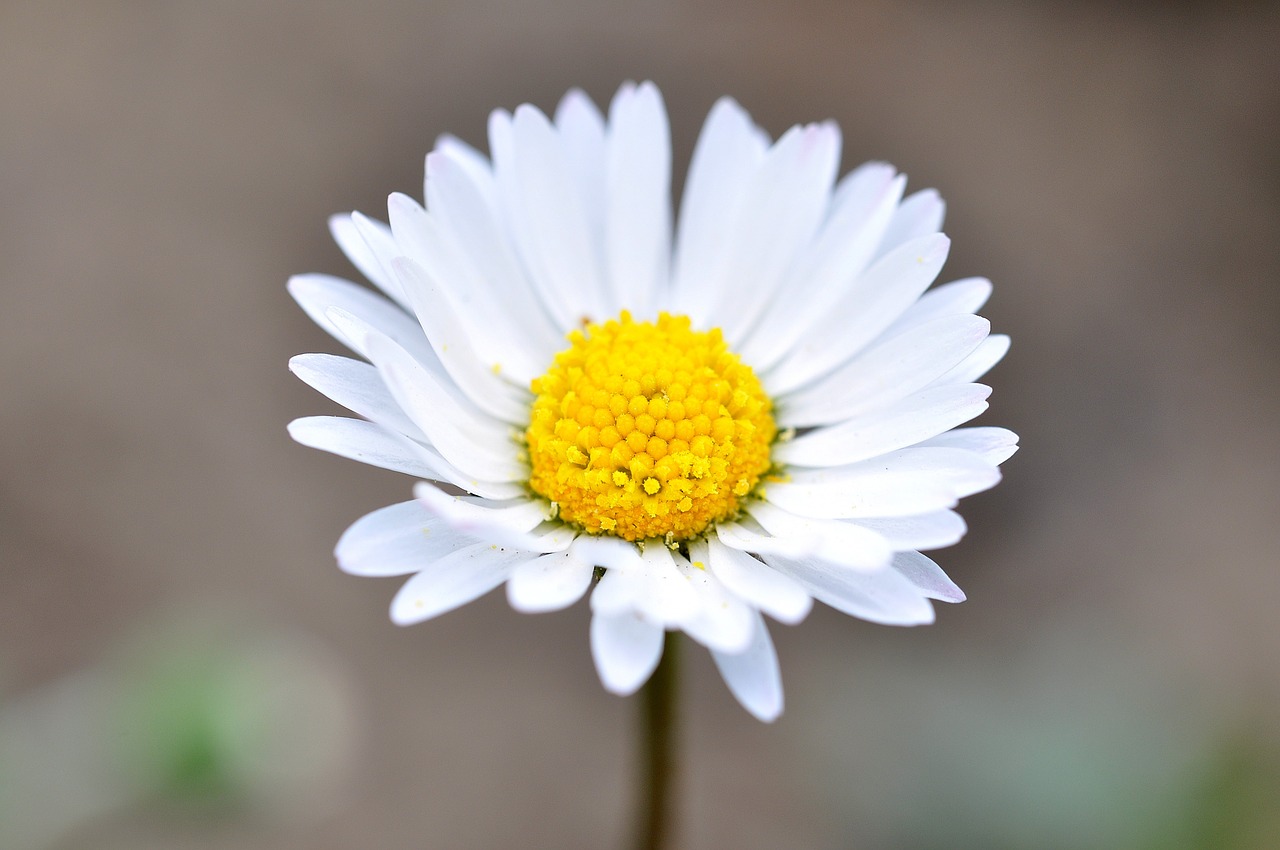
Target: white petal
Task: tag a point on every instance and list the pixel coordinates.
(357, 386)
(396, 540)
(638, 213)
(842, 543)
(728, 153)
(450, 343)
(549, 583)
(958, 467)
(453, 581)
(780, 214)
(375, 344)
(753, 581)
(481, 518)
(563, 260)
(376, 446)
(347, 233)
(737, 535)
(928, 576)
(994, 445)
(909, 481)
(507, 524)
(508, 214)
(807, 538)
(959, 297)
(364, 441)
(919, 215)
(650, 586)
(373, 444)
(917, 417)
(473, 442)
(723, 621)
(988, 354)
(582, 131)
(474, 165)
(460, 207)
(626, 650)
(883, 596)
(319, 294)
(497, 334)
(870, 305)
(861, 209)
(921, 531)
(888, 496)
(382, 244)
(888, 371)
(753, 676)
(612, 553)
(364, 338)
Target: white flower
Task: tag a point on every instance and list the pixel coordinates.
(732, 419)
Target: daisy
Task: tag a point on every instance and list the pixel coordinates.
(699, 422)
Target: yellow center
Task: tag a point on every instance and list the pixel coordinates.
(647, 429)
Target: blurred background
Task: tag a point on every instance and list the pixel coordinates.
(181, 664)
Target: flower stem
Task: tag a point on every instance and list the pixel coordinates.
(658, 758)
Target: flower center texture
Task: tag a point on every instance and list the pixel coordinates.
(648, 429)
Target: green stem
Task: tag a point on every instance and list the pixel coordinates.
(658, 758)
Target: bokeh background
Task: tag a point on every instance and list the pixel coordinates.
(181, 664)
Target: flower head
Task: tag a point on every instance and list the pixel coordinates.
(733, 417)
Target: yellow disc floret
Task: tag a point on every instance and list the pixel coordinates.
(648, 429)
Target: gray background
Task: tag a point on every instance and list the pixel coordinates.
(1114, 168)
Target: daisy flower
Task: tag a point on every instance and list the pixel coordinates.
(700, 422)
